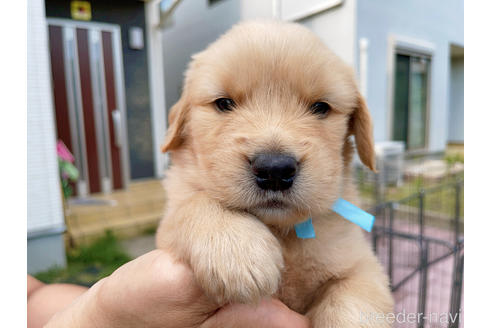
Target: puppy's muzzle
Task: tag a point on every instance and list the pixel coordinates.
(274, 171)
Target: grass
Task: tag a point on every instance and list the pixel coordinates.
(88, 264)
(150, 230)
(441, 201)
(453, 158)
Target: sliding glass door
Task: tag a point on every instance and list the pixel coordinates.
(89, 105)
(410, 100)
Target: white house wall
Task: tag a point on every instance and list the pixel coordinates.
(258, 9)
(45, 224)
(195, 25)
(336, 27)
(433, 22)
(44, 202)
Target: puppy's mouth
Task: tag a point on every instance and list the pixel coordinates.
(276, 211)
(276, 204)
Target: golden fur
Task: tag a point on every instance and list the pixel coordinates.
(239, 246)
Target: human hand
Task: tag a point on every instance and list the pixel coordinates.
(155, 290)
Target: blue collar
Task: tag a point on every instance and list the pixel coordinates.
(349, 211)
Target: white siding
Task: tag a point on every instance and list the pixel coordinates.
(44, 202)
(336, 27)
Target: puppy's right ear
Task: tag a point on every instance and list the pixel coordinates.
(177, 120)
(361, 128)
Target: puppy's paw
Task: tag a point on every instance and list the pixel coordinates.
(241, 263)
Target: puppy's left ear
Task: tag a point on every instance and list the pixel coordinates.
(361, 128)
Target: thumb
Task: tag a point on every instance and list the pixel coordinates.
(268, 313)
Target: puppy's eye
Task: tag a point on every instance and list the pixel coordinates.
(224, 104)
(320, 108)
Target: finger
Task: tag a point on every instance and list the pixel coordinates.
(32, 285)
(268, 313)
(48, 300)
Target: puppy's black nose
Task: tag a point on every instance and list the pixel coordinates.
(274, 171)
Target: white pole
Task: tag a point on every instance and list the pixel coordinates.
(157, 88)
(363, 49)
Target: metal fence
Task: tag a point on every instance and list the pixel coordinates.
(403, 174)
(419, 240)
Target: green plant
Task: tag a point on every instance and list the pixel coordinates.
(454, 158)
(150, 230)
(88, 264)
(68, 172)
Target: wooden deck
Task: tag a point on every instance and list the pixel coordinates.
(127, 213)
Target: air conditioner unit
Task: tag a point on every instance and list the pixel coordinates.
(389, 162)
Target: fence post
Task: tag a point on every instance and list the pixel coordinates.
(390, 246)
(456, 289)
(375, 242)
(424, 253)
(378, 186)
(421, 214)
(457, 210)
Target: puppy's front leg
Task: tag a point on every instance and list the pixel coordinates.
(234, 256)
(360, 299)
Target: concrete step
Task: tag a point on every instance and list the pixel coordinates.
(122, 228)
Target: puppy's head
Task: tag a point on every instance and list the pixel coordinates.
(265, 119)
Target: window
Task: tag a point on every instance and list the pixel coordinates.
(411, 100)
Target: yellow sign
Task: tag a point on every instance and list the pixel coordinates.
(81, 10)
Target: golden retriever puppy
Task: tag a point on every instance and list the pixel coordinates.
(260, 141)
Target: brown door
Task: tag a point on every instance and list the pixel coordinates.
(89, 101)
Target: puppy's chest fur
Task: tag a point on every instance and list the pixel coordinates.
(303, 276)
(311, 264)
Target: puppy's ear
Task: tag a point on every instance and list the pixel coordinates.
(177, 119)
(361, 128)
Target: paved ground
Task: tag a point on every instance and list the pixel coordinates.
(406, 255)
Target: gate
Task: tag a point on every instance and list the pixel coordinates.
(419, 240)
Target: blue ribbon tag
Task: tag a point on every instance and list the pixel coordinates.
(305, 229)
(343, 208)
(354, 214)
